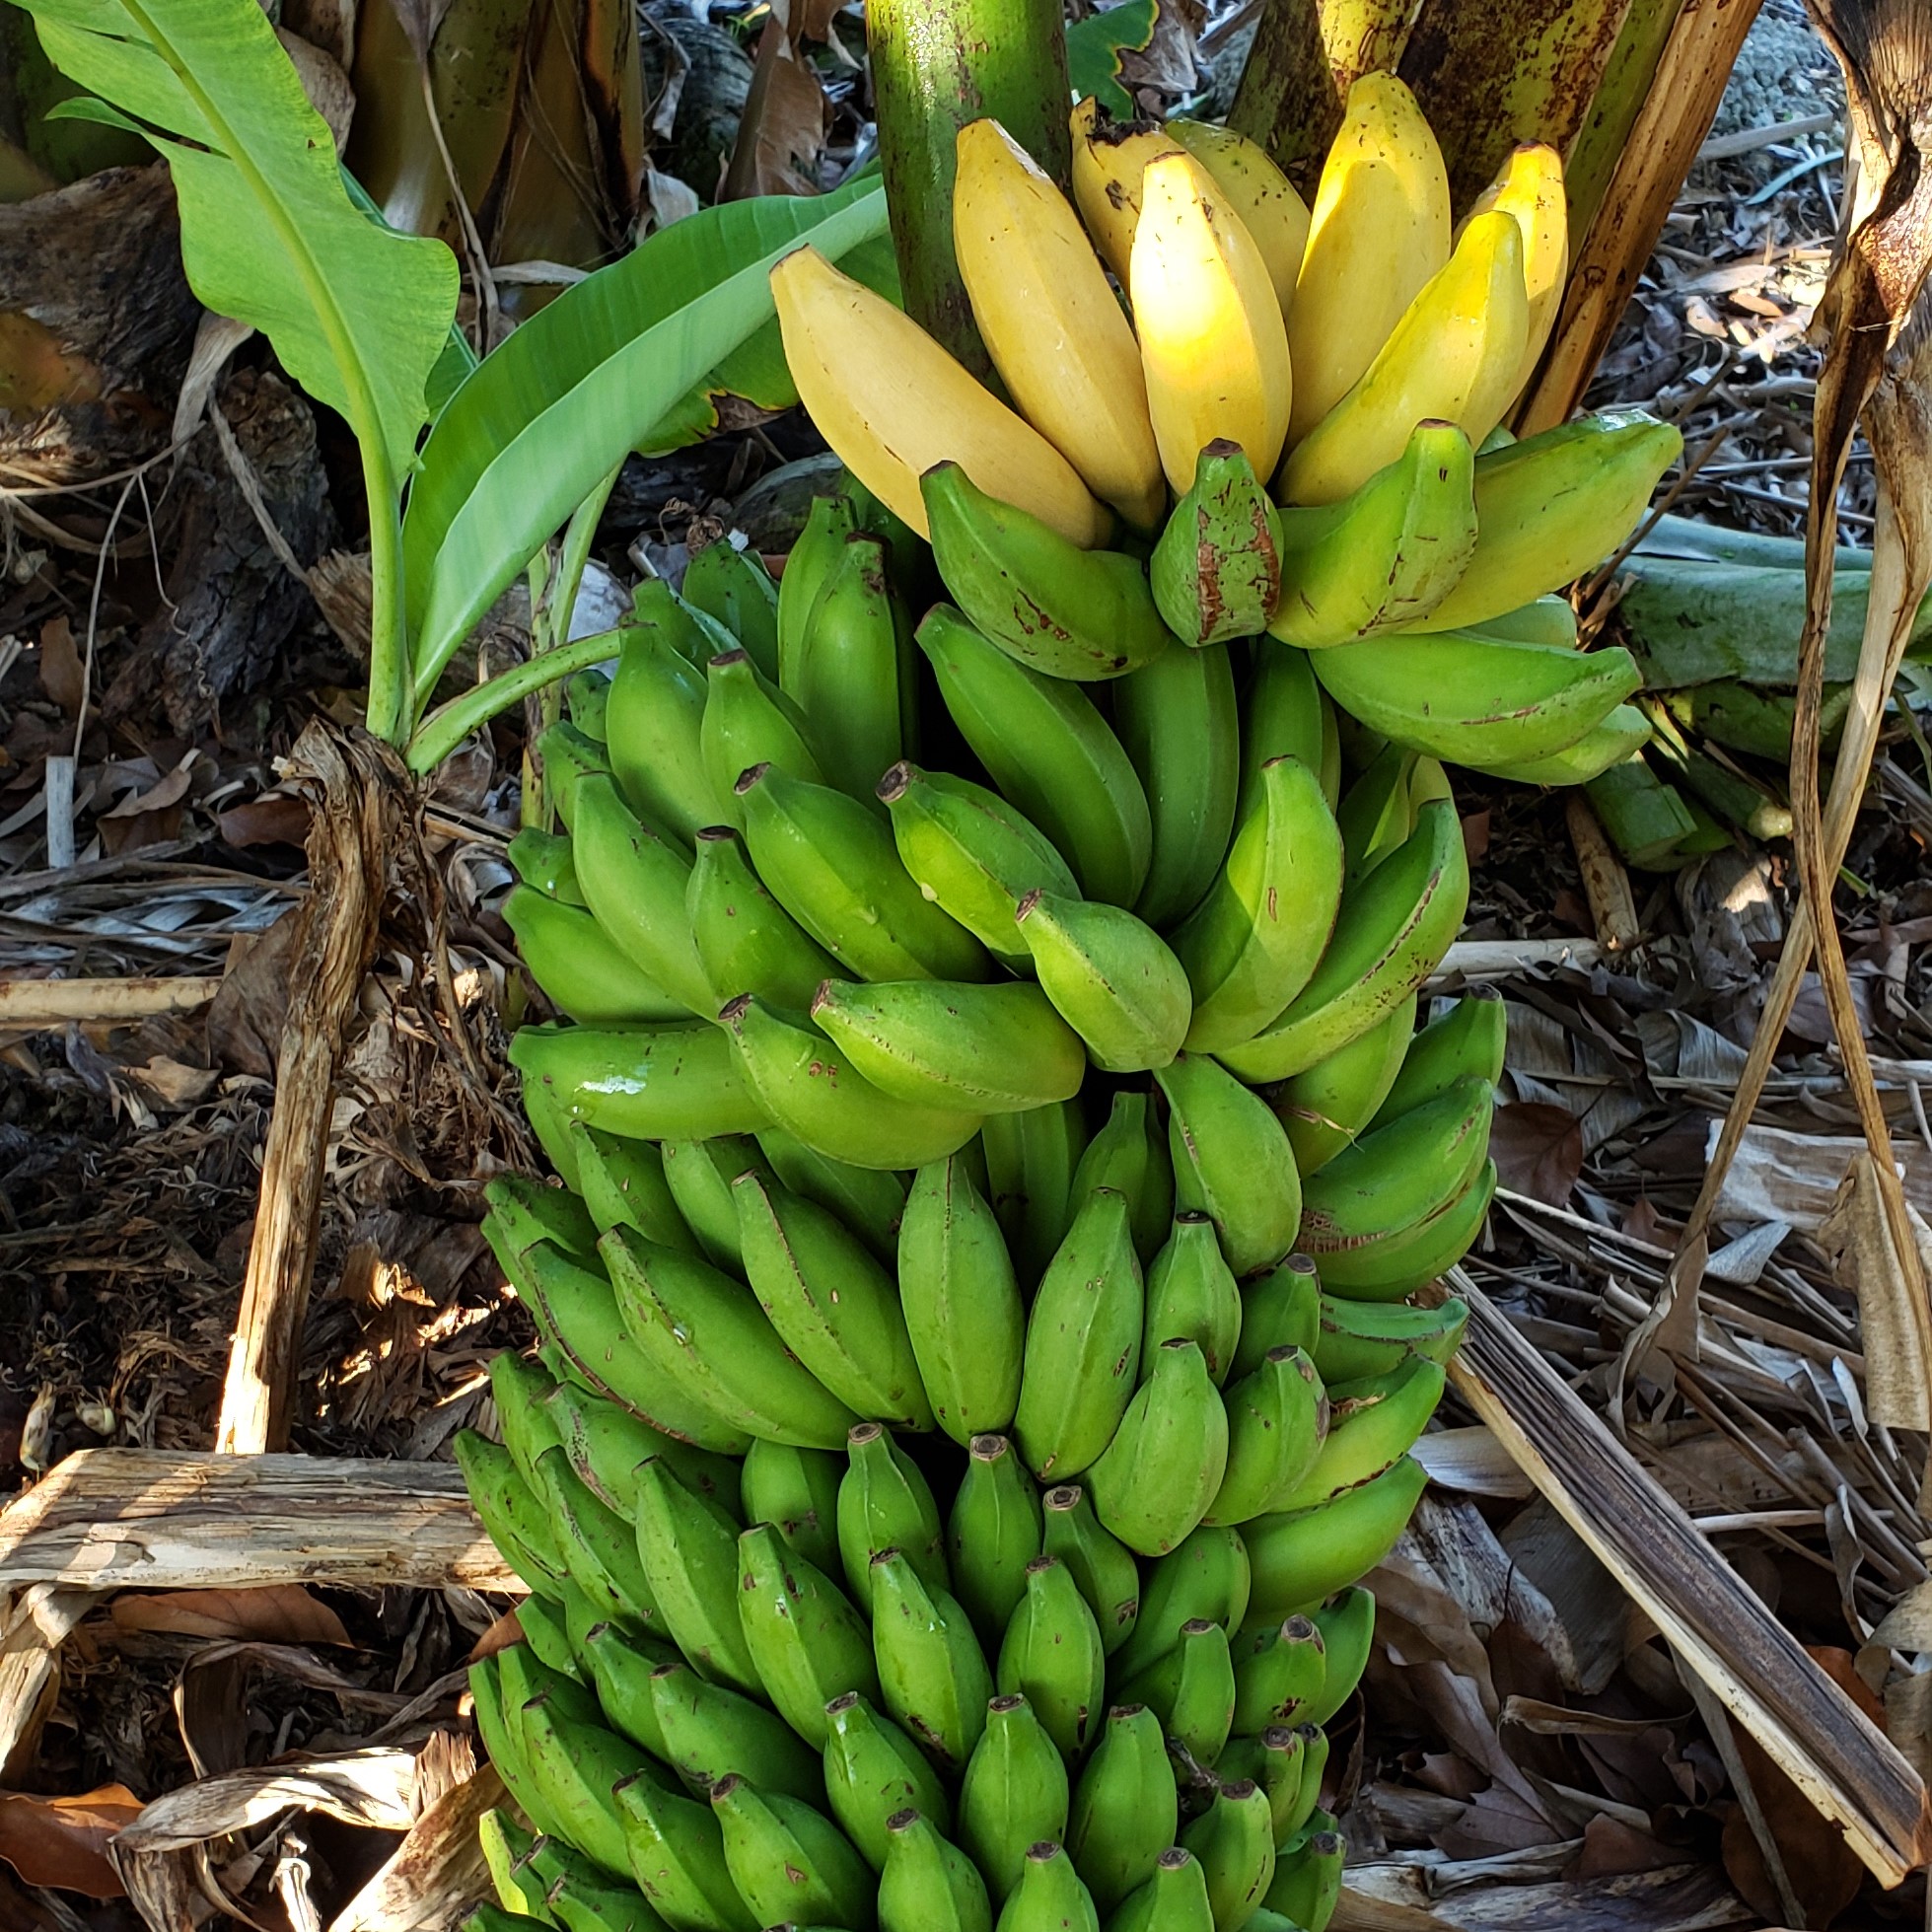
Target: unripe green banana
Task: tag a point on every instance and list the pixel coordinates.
(804, 1083)
(1277, 1417)
(834, 866)
(1315, 1764)
(1386, 556)
(486, 1917)
(992, 1534)
(746, 941)
(1281, 1309)
(949, 1044)
(1274, 1761)
(886, 1503)
(1286, 714)
(1623, 733)
(624, 1186)
(872, 1772)
(583, 972)
(832, 1304)
(1177, 720)
(644, 1084)
(870, 1202)
(620, 1668)
(732, 588)
(566, 757)
(503, 1842)
(576, 1765)
(518, 1388)
(1192, 1292)
(1468, 1041)
(542, 861)
(1014, 1795)
(1347, 1627)
(653, 720)
(529, 1210)
(1125, 1809)
(816, 554)
(1101, 1565)
(1371, 1425)
(502, 1735)
(1302, 1556)
(580, 1901)
(1155, 1479)
(1279, 1673)
(1255, 940)
(1324, 1107)
(1216, 570)
(1049, 1896)
(1082, 1342)
(710, 1732)
(690, 1561)
(808, 1644)
(931, 1668)
(855, 674)
(1206, 1578)
(961, 1301)
(1030, 1161)
(1056, 609)
(1049, 752)
(1112, 978)
(1052, 1655)
(929, 1885)
(1376, 811)
(1391, 934)
(605, 1444)
(1131, 1154)
(1400, 1262)
(1191, 1690)
(542, 1622)
(586, 693)
(676, 1854)
(1365, 1338)
(1231, 1162)
(599, 1549)
(1307, 1884)
(511, 1516)
(1234, 1838)
(750, 721)
(796, 1491)
(699, 1175)
(706, 1334)
(1174, 1900)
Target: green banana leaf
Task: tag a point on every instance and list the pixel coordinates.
(1094, 48)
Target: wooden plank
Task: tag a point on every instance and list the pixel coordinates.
(1719, 1627)
(111, 1518)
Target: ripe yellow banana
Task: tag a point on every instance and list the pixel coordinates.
(1530, 187)
(1049, 322)
(1377, 230)
(891, 404)
(1107, 159)
(1212, 339)
(1453, 356)
(1263, 196)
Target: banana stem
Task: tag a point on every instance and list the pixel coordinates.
(936, 64)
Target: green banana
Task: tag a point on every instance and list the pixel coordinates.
(566, 757)
(749, 721)
(689, 1552)
(1052, 1655)
(1014, 1795)
(989, 1049)
(587, 697)
(1234, 1839)
(1192, 1292)
(511, 1516)
(605, 1442)
(1101, 1565)
(1553, 506)
(1174, 1900)
(817, 553)
(1378, 811)
(1207, 1578)
(710, 1732)
(869, 1201)
(872, 1772)
(529, 1210)
(970, 853)
(1307, 1885)
(1082, 1342)
(1155, 1479)
(677, 1855)
(1190, 1690)
(746, 941)
(582, 971)
(992, 1534)
(1125, 1811)
(486, 1917)
(1286, 714)
(961, 1301)
(1324, 1106)
(581, 1902)
(1478, 700)
(1279, 1673)
(707, 1335)
(790, 1864)
(1274, 1761)
(1347, 1627)
(653, 717)
(810, 1091)
(1277, 1417)
(886, 1503)
(1054, 607)
(808, 1644)
(624, 1186)
(855, 673)
(518, 1387)
(579, 1618)
(1543, 621)
(796, 1491)
(1129, 1154)
(1216, 569)
(1049, 1896)
(542, 861)
(501, 1732)
(929, 1885)
(503, 1842)
(620, 1668)
(1030, 1161)
(931, 1668)
(1315, 1764)
(1257, 938)
(832, 1304)
(1364, 1338)
(1304, 1555)
(648, 1084)
(1391, 934)
(1049, 752)
(1469, 1039)
(1231, 1162)
(1372, 1424)
(1623, 733)
(576, 1765)
(1384, 557)
(700, 1175)
(1400, 1263)
(1112, 978)
(1179, 722)
(733, 587)
(1280, 1309)
(599, 1549)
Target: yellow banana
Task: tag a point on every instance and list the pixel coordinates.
(1049, 322)
(1453, 356)
(1377, 230)
(1263, 196)
(1107, 159)
(891, 404)
(1530, 187)
(1212, 339)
